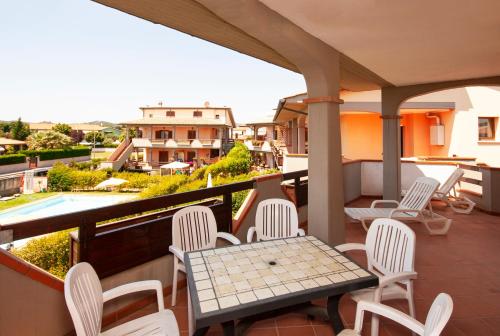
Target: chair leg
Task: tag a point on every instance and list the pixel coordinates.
(174, 281)
(375, 325)
(411, 302)
(441, 231)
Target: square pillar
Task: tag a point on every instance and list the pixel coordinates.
(326, 184)
(391, 125)
(295, 139)
(301, 137)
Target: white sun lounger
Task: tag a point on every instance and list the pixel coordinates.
(415, 206)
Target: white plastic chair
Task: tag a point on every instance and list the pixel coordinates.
(390, 252)
(415, 206)
(193, 228)
(275, 218)
(85, 299)
(437, 317)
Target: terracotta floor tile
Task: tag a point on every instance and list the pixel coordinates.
(463, 263)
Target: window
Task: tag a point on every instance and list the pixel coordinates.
(197, 114)
(191, 134)
(151, 115)
(170, 113)
(164, 134)
(217, 116)
(486, 128)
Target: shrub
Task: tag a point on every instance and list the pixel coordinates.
(137, 180)
(86, 179)
(167, 185)
(12, 159)
(54, 154)
(237, 161)
(48, 140)
(59, 178)
(50, 252)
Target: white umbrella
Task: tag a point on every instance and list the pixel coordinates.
(112, 182)
(209, 181)
(175, 165)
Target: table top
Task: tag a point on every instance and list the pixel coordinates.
(230, 282)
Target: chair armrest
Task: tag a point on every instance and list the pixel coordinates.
(386, 280)
(250, 233)
(351, 247)
(388, 312)
(376, 202)
(134, 287)
(229, 237)
(301, 232)
(177, 252)
(403, 210)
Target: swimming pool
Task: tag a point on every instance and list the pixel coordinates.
(58, 205)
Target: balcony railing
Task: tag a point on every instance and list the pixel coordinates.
(134, 232)
(177, 143)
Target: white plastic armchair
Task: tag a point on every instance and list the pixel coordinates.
(275, 218)
(437, 317)
(193, 228)
(448, 194)
(390, 253)
(85, 300)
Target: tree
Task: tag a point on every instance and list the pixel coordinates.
(48, 140)
(98, 137)
(77, 136)
(19, 130)
(62, 128)
(132, 133)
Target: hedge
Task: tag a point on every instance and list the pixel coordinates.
(12, 159)
(54, 154)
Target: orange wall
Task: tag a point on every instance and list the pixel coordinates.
(361, 136)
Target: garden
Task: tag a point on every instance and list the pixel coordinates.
(51, 252)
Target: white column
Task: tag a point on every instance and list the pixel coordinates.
(295, 140)
(301, 136)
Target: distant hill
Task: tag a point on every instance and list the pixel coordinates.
(102, 123)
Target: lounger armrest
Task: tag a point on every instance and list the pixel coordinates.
(134, 287)
(301, 232)
(391, 214)
(351, 247)
(376, 202)
(177, 252)
(250, 233)
(388, 312)
(229, 237)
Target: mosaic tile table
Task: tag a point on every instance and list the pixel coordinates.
(237, 282)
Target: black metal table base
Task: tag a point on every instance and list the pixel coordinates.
(331, 313)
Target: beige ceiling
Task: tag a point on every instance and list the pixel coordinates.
(406, 42)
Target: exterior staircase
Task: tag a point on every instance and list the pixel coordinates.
(117, 159)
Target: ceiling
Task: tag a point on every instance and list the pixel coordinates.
(406, 42)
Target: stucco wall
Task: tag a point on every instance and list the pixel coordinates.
(361, 136)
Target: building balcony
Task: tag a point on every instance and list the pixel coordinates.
(177, 143)
(463, 263)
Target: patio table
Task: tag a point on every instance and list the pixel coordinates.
(260, 280)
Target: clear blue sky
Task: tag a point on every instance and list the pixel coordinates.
(77, 61)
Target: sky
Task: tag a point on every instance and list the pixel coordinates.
(79, 61)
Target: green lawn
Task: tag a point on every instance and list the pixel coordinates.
(23, 199)
(101, 155)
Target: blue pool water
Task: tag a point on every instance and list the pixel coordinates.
(59, 205)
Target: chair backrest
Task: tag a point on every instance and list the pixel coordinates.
(390, 246)
(451, 181)
(194, 228)
(276, 218)
(83, 293)
(419, 194)
(438, 315)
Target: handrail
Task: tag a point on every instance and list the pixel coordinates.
(88, 218)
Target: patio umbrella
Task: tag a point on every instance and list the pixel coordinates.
(174, 165)
(112, 182)
(209, 181)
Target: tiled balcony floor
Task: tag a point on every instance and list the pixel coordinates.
(464, 264)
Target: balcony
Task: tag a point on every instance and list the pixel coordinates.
(177, 143)
(463, 263)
